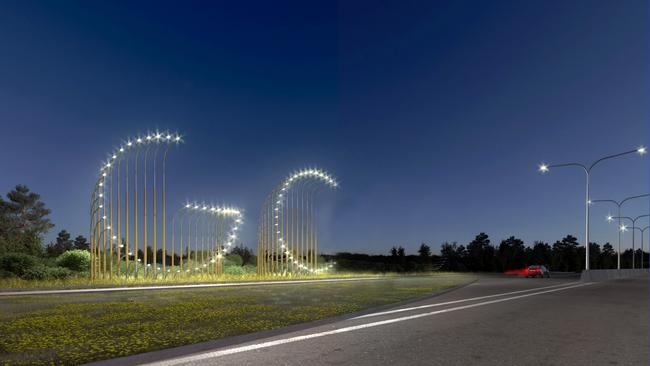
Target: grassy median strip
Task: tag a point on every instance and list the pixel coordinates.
(74, 329)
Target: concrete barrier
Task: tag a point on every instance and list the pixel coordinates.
(598, 275)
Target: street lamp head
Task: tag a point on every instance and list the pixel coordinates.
(543, 168)
(641, 150)
(610, 218)
(623, 228)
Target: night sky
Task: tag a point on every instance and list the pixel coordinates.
(432, 115)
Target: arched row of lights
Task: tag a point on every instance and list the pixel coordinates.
(279, 200)
(219, 211)
(102, 230)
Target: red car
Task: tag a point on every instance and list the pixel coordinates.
(538, 271)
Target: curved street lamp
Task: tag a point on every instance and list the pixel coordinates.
(624, 228)
(619, 204)
(642, 230)
(587, 169)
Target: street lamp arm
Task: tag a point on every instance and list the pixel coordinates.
(612, 201)
(569, 164)
(633, 197)
(611, 157)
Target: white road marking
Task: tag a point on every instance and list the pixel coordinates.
(459, 301)
(168, 287)
(252, 347)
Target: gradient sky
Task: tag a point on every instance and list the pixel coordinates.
(433, 115)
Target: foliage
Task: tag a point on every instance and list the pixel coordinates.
(23, 220)
(75, 260)
(236, 270)
(62, 244)
(80, 242)
(18, 263)
(246, 254)
(424, 251)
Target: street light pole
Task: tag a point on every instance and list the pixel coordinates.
(623, 228)
(619, 204)
(642, 230)
(545, 168)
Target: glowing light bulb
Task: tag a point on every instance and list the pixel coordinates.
(543, 168)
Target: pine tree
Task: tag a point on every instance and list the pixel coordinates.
(23, 221)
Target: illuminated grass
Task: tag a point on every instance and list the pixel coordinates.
(84, 282)
(74, 329)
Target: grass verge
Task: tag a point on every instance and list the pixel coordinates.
(74, 329)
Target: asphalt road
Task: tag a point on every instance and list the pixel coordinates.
(494, 321)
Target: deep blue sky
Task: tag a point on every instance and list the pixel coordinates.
(433, 115)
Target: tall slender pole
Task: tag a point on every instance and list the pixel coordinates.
(136, 243)
(145, 243)
(164, 213)
(126, 217)
(587, 204)
(119, 221)
(155, 214)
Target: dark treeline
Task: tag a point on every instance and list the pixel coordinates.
(566, 255)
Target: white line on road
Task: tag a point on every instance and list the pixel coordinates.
(170, 287)
(459, 301)
(252, 347)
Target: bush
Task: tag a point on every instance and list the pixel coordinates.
(47, 273)
(234, 270)
(18, 263)
(6, 274)
(36, 273)
(58, 273)
(75, 260)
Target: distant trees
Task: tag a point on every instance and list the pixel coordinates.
(511, 254)
(23, 222)
(480, 254)
(245, 253)
(62, 244)
(424, 251)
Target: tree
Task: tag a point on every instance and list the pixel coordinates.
(511, 254)
(245, 254)
(594, 256)
(424, 251)
(23, 221)
(540, 254)
(480, 254)
(452, 255)
(608, 258)
(393, 252)
(401, 252)
(566, 255)
(63, 244)
(80, 242)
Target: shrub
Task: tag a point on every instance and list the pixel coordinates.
(75, 260)
(234, 270)
(35, 273)
(58, 273)
(18, 263)
(233, 259)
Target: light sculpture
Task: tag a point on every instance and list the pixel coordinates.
(287, 239)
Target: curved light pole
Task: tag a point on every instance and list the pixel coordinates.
(624, 228)
(642, 230)
(619, 204)
(587, 169)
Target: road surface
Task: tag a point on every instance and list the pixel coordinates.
(494, 321)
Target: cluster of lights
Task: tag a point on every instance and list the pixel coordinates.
(155, 137)
(223, 211)
(305, 173)
(641, 150)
